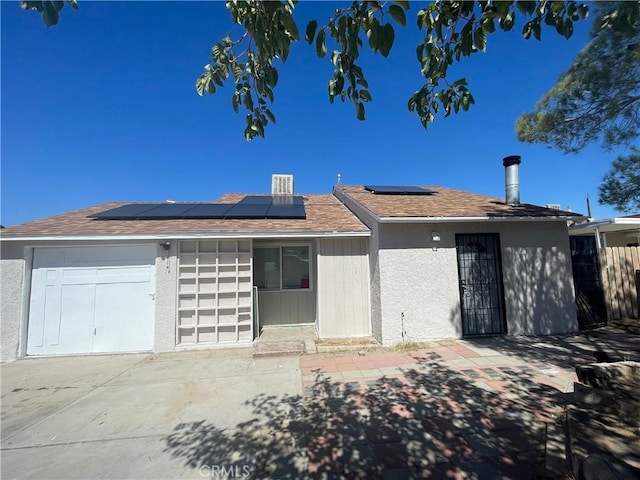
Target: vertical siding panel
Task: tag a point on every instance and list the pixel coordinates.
(359, 252)
(625, 264)
(635, 265)
(354, 320)
(344, 283)
(613, 286)
(606, 285)
(619, 285)
(620, 279)
(624, 283)
(286, 308)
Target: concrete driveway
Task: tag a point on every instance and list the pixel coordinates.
(110, 416)
(466, 409)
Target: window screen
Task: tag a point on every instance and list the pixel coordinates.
(281, 268)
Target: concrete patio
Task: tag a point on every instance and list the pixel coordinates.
(464, 409)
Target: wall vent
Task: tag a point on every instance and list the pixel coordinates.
(281, 184)
(553, 206)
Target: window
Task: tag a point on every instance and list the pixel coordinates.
(281, 268)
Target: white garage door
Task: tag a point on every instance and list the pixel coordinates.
(91, 300)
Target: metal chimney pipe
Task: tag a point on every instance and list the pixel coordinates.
(512, 179)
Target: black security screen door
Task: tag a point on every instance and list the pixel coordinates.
(592, 311)
(480, 277)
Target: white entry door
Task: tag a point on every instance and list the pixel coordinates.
(92, 300)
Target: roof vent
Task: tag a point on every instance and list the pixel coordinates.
(553, 206)
(281, 184)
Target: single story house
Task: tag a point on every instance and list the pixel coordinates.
(398, 263)
(159, 277)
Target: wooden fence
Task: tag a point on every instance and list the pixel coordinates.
(620, 270)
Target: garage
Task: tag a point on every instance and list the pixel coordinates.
(93, 299)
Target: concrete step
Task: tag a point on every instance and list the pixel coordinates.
(278, 348)
(347, 344)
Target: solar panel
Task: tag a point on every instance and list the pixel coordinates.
(250, 207)
(125, 211)
(382, 189)
(168, 210)
(293, 210)
(208, 210)
(417, 190)
(398, 190)
(257, 199)
(247, 210)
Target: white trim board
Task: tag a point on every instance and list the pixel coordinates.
(202, 236)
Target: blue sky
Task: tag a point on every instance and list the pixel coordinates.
(103, 107)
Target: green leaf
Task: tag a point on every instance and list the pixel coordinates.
(526, 7)
(480, 39)
(397, 13)
(583, 10)
(235, 101)
(365, 96)
(506, 22)
(373, 34)
(203, 83)
(342, 28)
(284, 51)
(488, 25)
(237, 70)
(386, 42)
(311, 31)
(360, 111)
(536, 30)
(290, 26)
(49, 14)
(321, 47)
(248, 101)
(270, 115)
(273, 77)
(550, 19)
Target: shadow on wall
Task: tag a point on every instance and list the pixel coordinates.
(455, 318)
(428, 421)
(620, 268)
(539, 299)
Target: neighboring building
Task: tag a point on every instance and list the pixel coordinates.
(611, 232)
(400, 263)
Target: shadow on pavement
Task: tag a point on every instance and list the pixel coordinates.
(429, 421)
(567, 351)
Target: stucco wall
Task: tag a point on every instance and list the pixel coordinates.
(419, 279)
(166, 291)
(538, 279)
(343, 288)
(14, 293)
(12, 277)
(419, 285)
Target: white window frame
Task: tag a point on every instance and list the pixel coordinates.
(280, 246)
